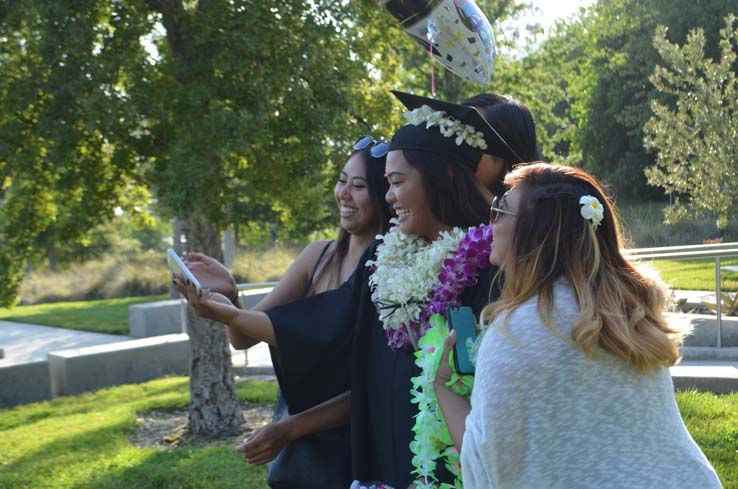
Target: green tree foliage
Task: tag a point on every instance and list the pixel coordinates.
(697, 139)
(64, 113)
(545, 79)
(243, 111)
(612, 91)
(241, 102)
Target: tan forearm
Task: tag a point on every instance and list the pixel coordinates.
(251, 326)
(325, 416)
(455, 409)
(239, 340)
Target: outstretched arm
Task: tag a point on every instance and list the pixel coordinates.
(292, 286)
(265, 443)
(215, 306)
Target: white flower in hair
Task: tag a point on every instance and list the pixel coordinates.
(592, 209)
(449, 127)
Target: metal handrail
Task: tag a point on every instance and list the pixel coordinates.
(692, 252)
(704, 247)
(254, 285)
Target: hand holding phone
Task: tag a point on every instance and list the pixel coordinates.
(177, 266)
(462, 321)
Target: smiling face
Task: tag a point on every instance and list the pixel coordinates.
(503, 227)
(408, 198)
(355, 208)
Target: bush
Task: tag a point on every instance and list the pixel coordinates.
(643, 224)
(263, 265)
(138, 274)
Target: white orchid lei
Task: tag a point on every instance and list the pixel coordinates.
(406, 270)
(449, 126)
(413, 284)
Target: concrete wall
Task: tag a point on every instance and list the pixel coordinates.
(24, 382)
(167, 317)
(704, 329)
(155, 318)
(249, 298)
(84, 369)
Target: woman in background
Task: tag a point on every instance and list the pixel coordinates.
(322, 272)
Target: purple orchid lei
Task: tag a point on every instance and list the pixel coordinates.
(457, 273)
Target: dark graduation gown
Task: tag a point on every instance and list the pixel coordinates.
(382, 416)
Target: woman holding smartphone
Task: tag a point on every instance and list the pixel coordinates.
(323, 266)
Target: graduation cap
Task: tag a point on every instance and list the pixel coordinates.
(458, 132)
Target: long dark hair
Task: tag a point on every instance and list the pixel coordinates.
(377, 187)
(455, 195)
(514, 123)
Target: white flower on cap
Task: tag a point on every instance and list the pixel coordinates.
(592, 210)
(449, 127)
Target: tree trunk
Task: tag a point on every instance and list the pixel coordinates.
(229, 248)
(51, 255)
(214, 406)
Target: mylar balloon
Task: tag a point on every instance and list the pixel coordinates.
(460, 33)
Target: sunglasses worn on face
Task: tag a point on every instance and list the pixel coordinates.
(496, 209)
(378, 148)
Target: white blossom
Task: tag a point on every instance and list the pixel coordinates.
(448, 126)
(592, 209)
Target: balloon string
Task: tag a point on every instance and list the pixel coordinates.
(433, 78)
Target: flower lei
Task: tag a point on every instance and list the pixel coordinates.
(432, 440)
(448, 125)
(405, 271)
(413, 285)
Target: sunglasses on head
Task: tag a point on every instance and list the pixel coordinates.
(379, 148)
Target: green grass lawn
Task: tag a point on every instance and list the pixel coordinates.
(82, 441)
(102, 316)
(696, 274)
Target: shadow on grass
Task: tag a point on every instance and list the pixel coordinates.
(174, 394)
(209, 467)
(64, 451)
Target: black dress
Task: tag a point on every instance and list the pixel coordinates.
(313, 365)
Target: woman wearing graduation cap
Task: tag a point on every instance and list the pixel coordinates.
(433, 259)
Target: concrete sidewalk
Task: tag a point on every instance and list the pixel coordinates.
(24, 343)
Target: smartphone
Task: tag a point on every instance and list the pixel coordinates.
(462, 321)
(177, 266)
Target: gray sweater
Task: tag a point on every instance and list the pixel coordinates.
(544, 416)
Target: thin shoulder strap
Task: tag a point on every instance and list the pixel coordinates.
(317, 264)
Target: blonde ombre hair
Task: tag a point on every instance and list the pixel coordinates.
(621, 309)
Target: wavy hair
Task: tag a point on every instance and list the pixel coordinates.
(621, 309)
